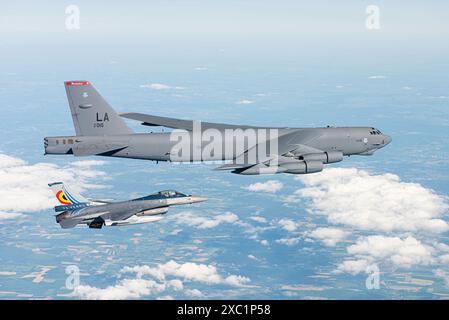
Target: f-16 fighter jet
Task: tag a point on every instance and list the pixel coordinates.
(248, 150)
(75, 209)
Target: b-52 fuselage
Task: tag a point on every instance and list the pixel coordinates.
(248, 149)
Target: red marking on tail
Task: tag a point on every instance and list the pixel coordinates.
(77, 83)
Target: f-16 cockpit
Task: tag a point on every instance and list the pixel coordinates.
(171, 194)
(166, 194)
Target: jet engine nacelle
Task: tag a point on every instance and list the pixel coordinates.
(324, 157)
(153, 212)
(293, 167)
(303, 167)
(259, 169)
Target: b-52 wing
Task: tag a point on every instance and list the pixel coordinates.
(150, 120)
(293, 151)
(288, 148)
(287, 141)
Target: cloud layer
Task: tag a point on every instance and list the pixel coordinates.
(352, 197)
(23, 186)
(403, 253)
(270, 186)
(159, 86)
(329, 236)
(381, 219)
(181, 272)
(194, 220)
(245, 101)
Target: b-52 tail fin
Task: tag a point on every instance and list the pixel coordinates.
(91, 114)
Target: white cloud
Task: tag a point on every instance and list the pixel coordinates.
(176, 284)
(23, 186)
(139, 287)
(9, 215)
(377, 77)
(258, 219)
(304, 287)
(355, 198)
(125, 289)
(201, 222)
(403, 253)
(270, 186)
(288, 224)
(194, 293)
(187, 271)
(329, 236)
(159, 86)
(8, 161)
(236, 281)
(353, 266)
(288, 241)
(245, 101)
(87, 163)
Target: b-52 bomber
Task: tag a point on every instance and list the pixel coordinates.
(74, 209)
(247, 150)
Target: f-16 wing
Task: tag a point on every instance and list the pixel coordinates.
(94, 220)
(103, 201)
(150, 120)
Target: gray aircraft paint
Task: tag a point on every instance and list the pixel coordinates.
(76, 209)
(101, 131)
(86, 104)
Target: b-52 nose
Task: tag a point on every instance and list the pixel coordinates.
(387, 139)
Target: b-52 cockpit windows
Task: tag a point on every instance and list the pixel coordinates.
(375, 131)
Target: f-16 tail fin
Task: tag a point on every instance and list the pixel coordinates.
(91, 114)
(65, 196)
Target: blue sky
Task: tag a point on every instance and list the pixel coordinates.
(295, 64)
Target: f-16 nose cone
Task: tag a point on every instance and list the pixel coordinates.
(197, 199)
